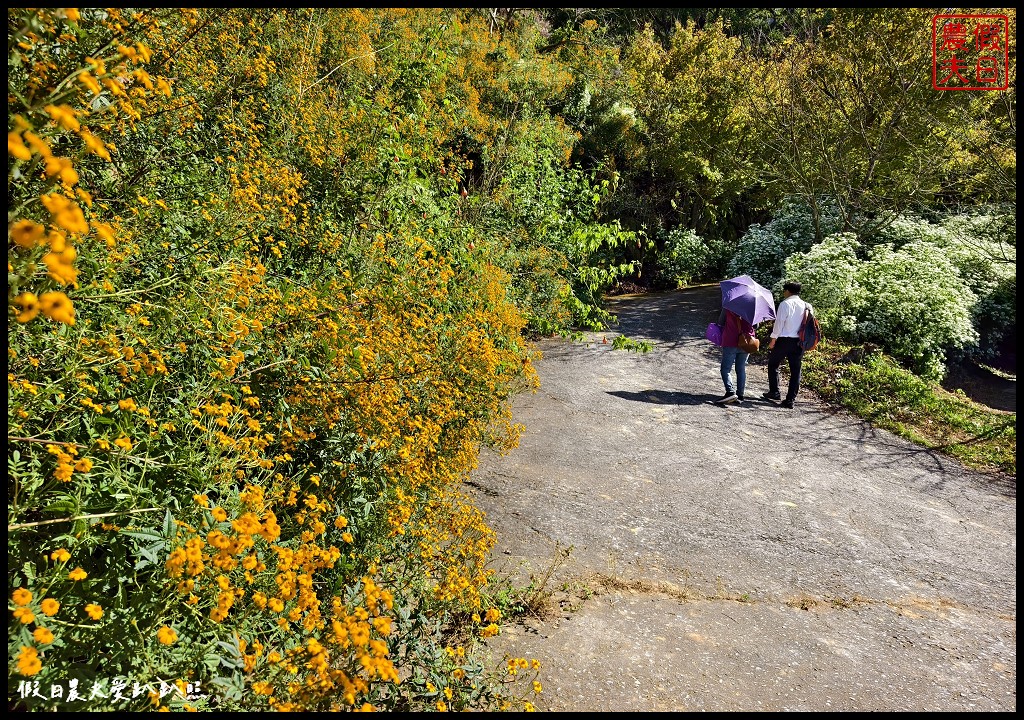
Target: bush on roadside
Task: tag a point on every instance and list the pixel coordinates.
(245, 383)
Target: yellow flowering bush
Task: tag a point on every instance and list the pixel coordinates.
(256, 342)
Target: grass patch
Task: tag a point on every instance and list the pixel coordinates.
(876, 388)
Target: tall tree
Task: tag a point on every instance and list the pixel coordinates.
(853, 115)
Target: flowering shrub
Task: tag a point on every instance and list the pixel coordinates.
(763, 249)
(828, 272)
(254, 349)
(910, 301)
(983, 247)
(914, 303)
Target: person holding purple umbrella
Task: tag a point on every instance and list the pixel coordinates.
(732, 356)
(744, 304)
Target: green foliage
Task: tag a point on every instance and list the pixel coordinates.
(850, 114)
(621, 342)
(686, 257)
(686, 148)
(881, 390)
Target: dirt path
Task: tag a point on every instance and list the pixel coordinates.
(746, 557)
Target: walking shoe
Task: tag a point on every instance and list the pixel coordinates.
(786, 404)
(740, 397)
(729, 398)
(771, 396)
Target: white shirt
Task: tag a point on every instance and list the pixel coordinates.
(788, 317)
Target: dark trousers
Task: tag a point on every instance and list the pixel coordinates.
(786, 348)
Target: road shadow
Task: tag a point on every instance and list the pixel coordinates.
(669, 397)
(670, 316)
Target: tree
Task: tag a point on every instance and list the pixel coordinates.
(853, 115)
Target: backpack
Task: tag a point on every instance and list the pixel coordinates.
(810, 331)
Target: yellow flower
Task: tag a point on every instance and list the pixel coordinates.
(60, 555)
(28, 661)
(90, 83)
(94, 611)
(64, 115)
(84, 465)
(341, 522)
(441, 707)
(94, 145)
(29, 304)
(78, 574)
(218, 514)
(537, 686)
(493, 615)
(61, 166)
(60, 268)
(63, 472)
(43, 636)
(57, 306)
(39, 145)
(50, 607)
(24, 615)
(26, 233)
(21, 596)
(58, 241)
(166, 635)
(347, 537)
(16, 146)
(65, 212)
(124, 443)
(201, 500)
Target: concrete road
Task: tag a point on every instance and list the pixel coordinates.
(706, 558)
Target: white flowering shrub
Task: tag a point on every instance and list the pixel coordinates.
(982, 246)
(828, 272)
(913, 302)
(763, 250)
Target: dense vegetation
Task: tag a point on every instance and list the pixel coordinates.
(273, 273)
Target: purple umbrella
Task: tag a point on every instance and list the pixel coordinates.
(747, 299)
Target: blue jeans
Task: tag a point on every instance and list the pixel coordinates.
(733, 356)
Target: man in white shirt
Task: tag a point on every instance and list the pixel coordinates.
(785, 344)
